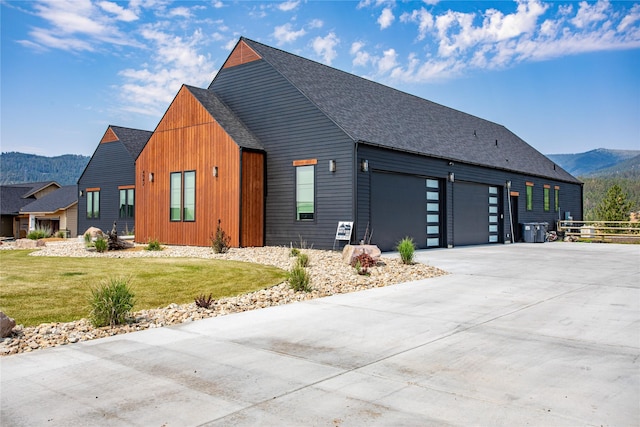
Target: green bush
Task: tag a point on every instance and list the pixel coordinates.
(101, 244)
(406, 248)
(111, 302)
(303, 260)
(87, 240)
(153, 245)
(39, 233)
(299, 279)
(61, 234)
(294, 252)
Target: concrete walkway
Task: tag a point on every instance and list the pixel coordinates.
(527, 334)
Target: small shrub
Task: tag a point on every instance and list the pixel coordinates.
(303, 260)
(362, 263)
(39, 233)
(87, 240)
(294, 252)
(220, 240)
(153, 245)
(406, 248)
(111, 302)
(203, 301)
(61, 234)
(299, 279)
(101, 244)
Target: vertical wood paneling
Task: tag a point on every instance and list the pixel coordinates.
(241, 55)
(186, 139)
(109, 136)
(252, 199)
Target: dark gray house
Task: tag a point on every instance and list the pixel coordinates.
(337, 147)
(106, 187)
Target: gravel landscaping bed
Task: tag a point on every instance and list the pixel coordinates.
(329, 276)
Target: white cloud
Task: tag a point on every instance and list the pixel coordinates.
(591, 13)
(288, 5)
(121, 13)
(181, 11)
(386, 18)
(285, 34)
(218, 4)
(457, 41)
(325, 47)
(176, 61)
(316, 23)
(388, 61)
(361, 58)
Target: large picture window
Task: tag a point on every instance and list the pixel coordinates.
(93, 204)
(305, 193)
(126, 203)
(182, 203)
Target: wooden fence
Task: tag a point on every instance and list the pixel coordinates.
(601, 230)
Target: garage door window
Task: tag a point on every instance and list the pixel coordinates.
(433, 213)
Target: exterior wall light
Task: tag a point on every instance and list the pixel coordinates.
(332, 165)
(364, 165)
(452, 177)
(508, 184)
(81, 193)
(150, 176)
(215, 171)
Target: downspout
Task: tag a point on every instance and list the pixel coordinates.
(355, 191)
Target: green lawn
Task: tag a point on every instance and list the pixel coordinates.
(36, 290)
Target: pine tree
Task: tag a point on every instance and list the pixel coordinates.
(615, 206)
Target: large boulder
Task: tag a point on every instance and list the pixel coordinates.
(29, 244)
(6, 325)
(94, 232)
(350, 252)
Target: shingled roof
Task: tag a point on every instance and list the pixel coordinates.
(14, 197)
(133, 140)
(62, 198)
(226, 118)
(379, 115)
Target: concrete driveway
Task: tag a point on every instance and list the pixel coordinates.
(527, 334)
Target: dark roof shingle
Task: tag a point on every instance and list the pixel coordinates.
(133, 140)
(62, 198)
(379, 115)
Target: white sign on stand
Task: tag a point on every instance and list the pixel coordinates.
(344, 230)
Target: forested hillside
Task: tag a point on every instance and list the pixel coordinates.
(595, 189)
(21, 167)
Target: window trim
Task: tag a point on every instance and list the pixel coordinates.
(172, 203)
(181, 194)
(299, 165)
(94, 202)
(129, 199)
(184, 196)
(556, 197)
(529, 196)
(546, 197)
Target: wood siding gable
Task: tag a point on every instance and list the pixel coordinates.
(109, 136)
(241, 54)
(188, 138)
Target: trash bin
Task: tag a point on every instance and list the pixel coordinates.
(529, 232)
(541, 232)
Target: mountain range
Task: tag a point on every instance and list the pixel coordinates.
(601, 162)
(20, 167)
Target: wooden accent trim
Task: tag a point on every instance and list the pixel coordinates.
(305, 162)
(109, 136)
(92, 189)
(515, 193)
(241, 55)
(556, 187)
(547, 186)
(529, 184)
(126, 187)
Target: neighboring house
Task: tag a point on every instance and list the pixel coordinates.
(57, 211)
(281, 148)
(107, 184)
(14, 197)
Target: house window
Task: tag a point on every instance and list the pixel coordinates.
(556, 196)
(126, 203)
(189, 199)
(175, 196)
(529, 196)
(547, 202)
(305, 193)
(182, 198)
(93, 203)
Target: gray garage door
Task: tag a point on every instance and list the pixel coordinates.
(476, 214)
(404, 205)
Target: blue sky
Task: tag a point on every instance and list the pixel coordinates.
(564, 76)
